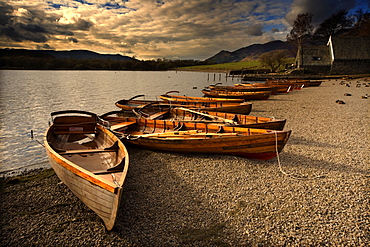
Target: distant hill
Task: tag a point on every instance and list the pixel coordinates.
(252, 52)
(74, 54)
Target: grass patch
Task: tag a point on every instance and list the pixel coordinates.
(222, 67)
(225, 66)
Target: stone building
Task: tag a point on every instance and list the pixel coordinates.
(341, 55)
(315, 59)
(349, 55)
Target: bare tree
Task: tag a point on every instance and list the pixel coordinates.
(302, 28)
(333, 24)
(362, 23)
(273, 59)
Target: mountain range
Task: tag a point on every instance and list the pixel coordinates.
(252, 52)
(74, 54)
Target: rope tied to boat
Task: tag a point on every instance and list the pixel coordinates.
(115, 180)
(281, 169)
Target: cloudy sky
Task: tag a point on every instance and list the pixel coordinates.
(151, 29)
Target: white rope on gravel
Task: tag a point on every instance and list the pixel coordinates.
(281, 169)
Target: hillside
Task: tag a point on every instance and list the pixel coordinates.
(252, 52)
(84, 54)
(73, 54)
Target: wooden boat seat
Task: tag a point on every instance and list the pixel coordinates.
(113, 148)
(157, 115)
(86, 151)
(116, 168)
(121, 125)
(74, 125)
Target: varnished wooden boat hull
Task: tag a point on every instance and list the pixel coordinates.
(276, 88)
(230, 119)
(179, 98)
(80, 170)
(230, 107)
(258, 95)
(261, 147)
(222, 118)
(295, 84)
(248, 121)
(209, 138)
(313, 83)
(242, 88)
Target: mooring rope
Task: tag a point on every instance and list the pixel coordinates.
(281, 169)
(115, 180)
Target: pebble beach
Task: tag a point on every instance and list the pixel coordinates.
(316, 193)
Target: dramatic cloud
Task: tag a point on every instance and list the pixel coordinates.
(44, 47)
(321, 9)
(147, 29)
(254, 30)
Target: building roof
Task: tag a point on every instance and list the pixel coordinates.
(350, 47)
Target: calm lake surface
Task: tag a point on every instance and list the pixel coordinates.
(27, 98)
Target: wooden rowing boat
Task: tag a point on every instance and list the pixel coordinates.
(248, 121)
(188, 115)
(280, 88)
(89, 159)
(295, 84)
(230, 107)
(242, 88)
(186, 137)
(179, 98)
(259, 95)
(313, 83)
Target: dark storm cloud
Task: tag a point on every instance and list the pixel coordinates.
(19, 32)
(254, 30)
(73, 40)
(81, 24)
(275, 30)
(28, 24)
(321, 9)
(5, 13)
(44, 47)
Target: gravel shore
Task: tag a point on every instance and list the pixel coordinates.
(318, 195)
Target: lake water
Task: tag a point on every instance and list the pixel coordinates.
(27, 98)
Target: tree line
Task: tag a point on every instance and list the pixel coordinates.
(303, 33)
(21, 59)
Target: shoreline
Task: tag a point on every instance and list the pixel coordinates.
(318, 194)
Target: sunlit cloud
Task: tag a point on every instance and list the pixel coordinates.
(147, 29)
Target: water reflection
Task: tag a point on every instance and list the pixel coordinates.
(28, 98)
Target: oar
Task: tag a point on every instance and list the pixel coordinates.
(122, 101)
(229, 121)
(172, 92)
(172, 133)
(181, 134)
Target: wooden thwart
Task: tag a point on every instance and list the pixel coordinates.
(121, 125)
(86, 151)
(113, 148)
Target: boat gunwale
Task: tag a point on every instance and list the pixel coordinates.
(83, 173)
